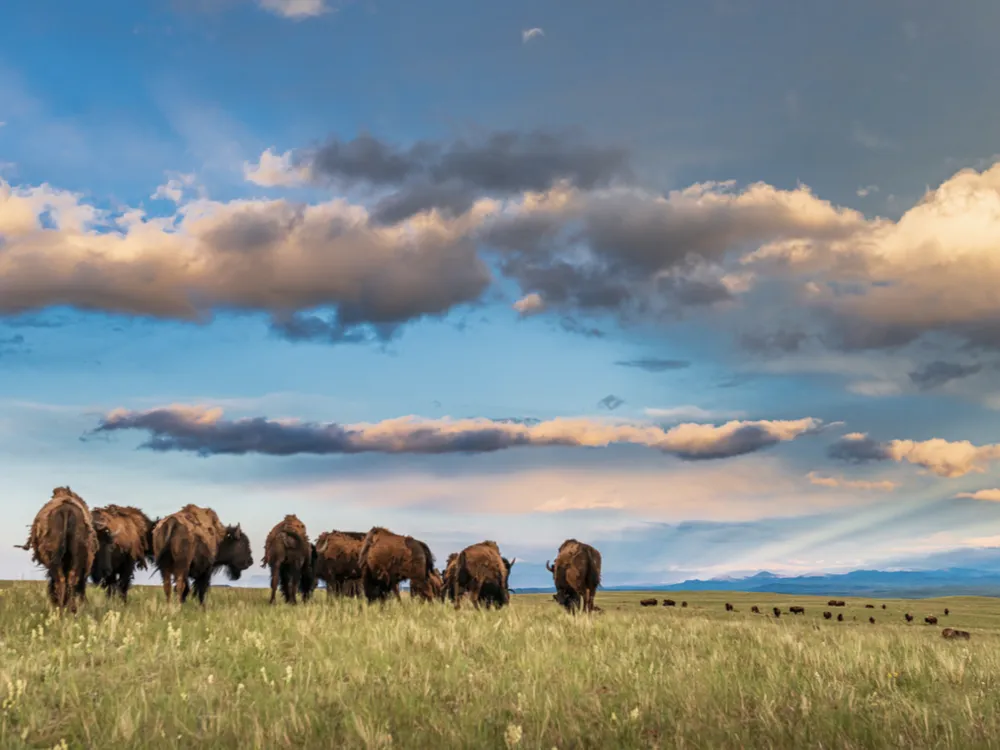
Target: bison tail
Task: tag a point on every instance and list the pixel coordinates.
(64, 524)
(428, 558)
(593, 571)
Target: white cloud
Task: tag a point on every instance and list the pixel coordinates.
(294, 9)
(992, 495)
(275, 170)
(530, 304)
(176, 187)
(864, 192)
(851, 484)
(529, 34)
(690, 412)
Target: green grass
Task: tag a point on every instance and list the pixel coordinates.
(341, 674)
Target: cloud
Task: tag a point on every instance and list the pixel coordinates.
(655, 365)
(529, 34)
(938, 372)
(177, 187)
(529, 304)
(275, 170)
(864, 192)
(992, 495)
(294, 9)
(851, 484)
(562, 504)
(950, 459)
(204, 431)
(610, 402)
(681, 413)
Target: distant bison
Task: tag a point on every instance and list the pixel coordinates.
(797, 610)
(64, 541)
(909, 617)
(835, 603)
(338, 563)
(871, 620)
(946, 610)
(577, 574)
(290, 556)
(932, 620)
(387, 559)
(840, 617)
(647, 603)
(124, 543)
(729, 607)
(684, 604)
(827, 615)
(669, 603)
(193, 543)
(952, 633)
(755, 609)
(869, 606)
(482, 574)
(777, 611)
(883, 606)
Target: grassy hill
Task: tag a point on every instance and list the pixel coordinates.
(341, 674)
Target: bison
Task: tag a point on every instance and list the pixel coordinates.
(577, 574)
(835, 603)
(797, 610)
(869, 606)
(777, 611)
(684, 604)
(63, 539)
(883, 606)
(291, 558)
(827, 615)
(338, 562)
(871, 620)
(840, 617)
(909, 617)
(482, 573)
(952, 633)
(193, 543)
(946, 611)
(448, 577)
(932, 620)
(669, 603)
(647, 603)
(755, 609)
(124, 543)
(729, 607)
(386, 559)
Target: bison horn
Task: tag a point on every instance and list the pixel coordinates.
(548, 567)
(512, 562)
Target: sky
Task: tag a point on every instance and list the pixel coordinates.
(711, 286)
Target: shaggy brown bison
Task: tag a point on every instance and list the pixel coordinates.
(481, 573)
(290, 556)
(577, 574)
(869, 606)
(684, 604)
(448, 578)
(946, 610)
(835, 603)
(647, 602)
(755, 609)
(669, 603)
(64, 541)
(952, 633)
(827, 615)
(909, 617)
(871, 620)
(124, 543)
(777, 611)
(387, 559)
(193, 543)
(797, 610)
(932, 620)
(338, 562)
(729, 607)
(840, 617)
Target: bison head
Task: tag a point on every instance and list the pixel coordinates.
(234, 552)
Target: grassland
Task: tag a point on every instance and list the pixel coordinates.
(337, 674)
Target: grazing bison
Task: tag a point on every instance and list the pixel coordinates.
(647, 603)
(63, 539)
(952, 633)
(387, 559)
(448, 578)
(124, 543)
(338, 562)
(777, 611)
(755, 609)
(684, 604)
(869, 606)
(946, 611)
(482, 573)
(871, 620)
(827, 615)
(290, 556)
(909, 617)
(797, 610)
(193, 543)
(883, 606)
(835, 603)
(932, 620)
(669, 603)
(840, 617)
(577, 574)
(729, 607)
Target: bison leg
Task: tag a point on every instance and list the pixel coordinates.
(124, 583)
(274, 583)
(165, 574)
(182, 588)
(71, 581)
(201, 587)
(294, 581)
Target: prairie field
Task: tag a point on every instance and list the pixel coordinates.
(339, 674)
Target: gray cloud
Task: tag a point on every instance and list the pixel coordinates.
(655, 365)
(857, 449)
(938, 372)
(610, 402)
(206, 432)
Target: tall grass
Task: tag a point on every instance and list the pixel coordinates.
(341, 674)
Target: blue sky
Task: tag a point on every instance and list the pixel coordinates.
(694, 250)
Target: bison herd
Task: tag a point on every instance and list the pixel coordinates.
(73, 542)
